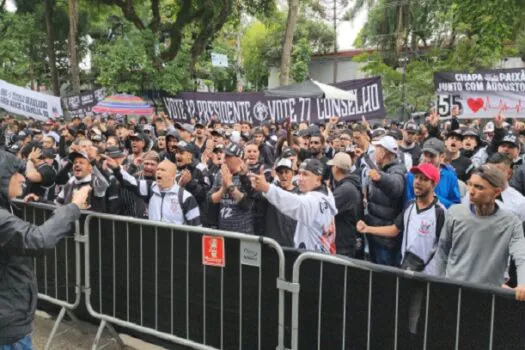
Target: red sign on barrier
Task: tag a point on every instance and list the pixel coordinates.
(213, 251)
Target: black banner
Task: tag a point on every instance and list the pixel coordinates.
(255, 107)
(80, 105)
(482, 94)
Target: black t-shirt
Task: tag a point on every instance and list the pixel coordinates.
(279, 226)
(45, 189)
(461, 165)
(415, 152)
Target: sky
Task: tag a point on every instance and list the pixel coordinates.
(10, 6)
(347, 31)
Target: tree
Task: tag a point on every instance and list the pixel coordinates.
(73, 31)
(51, 52)
(293, 14)
(261, 46)
(168, 22)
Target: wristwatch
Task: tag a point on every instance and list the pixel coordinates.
(230, 188)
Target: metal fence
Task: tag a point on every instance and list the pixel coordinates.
(150, 278)
(350, 304)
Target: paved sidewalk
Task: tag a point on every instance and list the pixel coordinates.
(71, 335)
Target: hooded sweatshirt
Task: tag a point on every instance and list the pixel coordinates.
(314, 212)
(349, 203)
(19, 240)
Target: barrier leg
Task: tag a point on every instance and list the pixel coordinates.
(99, 334)
(55, 328)
(113, 333)
(72, 316)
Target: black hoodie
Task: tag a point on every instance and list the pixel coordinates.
(349, 204)
(19, 240)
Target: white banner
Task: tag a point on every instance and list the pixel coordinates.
(29, 103)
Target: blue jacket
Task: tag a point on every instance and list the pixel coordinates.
(447, 189)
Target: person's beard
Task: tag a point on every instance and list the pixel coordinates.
(314, 151)
(423, 194)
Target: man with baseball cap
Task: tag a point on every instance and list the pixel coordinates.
(421, 221)
(384, 191)
(233, 194)
(477, 238)
(314, 209)
(461, 164)
(276, 224)
(186, 134)
(104, 195)
(349, 204)
(447, 189)
(192, 175)
(139, 142)
(409, 145)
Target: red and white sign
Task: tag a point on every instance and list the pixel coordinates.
(213, 251)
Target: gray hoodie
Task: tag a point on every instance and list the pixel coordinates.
(19, 240)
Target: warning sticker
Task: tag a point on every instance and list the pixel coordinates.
(213, 251)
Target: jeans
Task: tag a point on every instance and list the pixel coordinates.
(23, 344)
(382, 255)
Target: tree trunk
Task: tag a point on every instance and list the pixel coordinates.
(286, 56)
(48, 9)
(73, 60)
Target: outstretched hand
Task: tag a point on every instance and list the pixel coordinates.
(110, 162)
(259, 182)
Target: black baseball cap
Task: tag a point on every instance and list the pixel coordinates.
(233, 150)
(411, 126)
(97, 138)
(75, 155)
(312, 165)
(456, 132)
(288, 152)
(183, 146)
(114, 152)
(138, 136)
(511, 138)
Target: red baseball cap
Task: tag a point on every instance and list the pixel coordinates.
(428, 170)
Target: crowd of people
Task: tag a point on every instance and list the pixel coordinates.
(444, 196)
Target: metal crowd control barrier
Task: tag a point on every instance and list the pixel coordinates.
(149, 277)
(350, 304)
(57, 271)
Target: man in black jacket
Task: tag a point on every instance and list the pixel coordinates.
(19, 241)
(192, 175)
(384, 194)
(348, 202)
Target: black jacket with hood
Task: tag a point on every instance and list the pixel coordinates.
(349, 204)
(385, 200)
(19, 241)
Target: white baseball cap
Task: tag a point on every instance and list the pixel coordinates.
(388, 143)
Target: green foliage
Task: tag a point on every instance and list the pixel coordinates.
(301, 57)
(469, 55)
(255, 48)
(23, 45)
(262, 46)
(438, 35)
